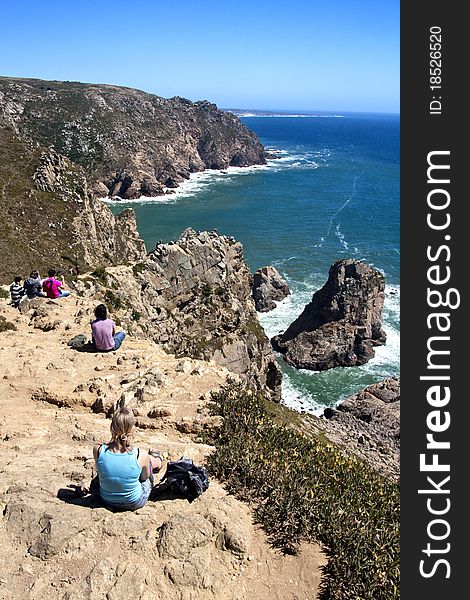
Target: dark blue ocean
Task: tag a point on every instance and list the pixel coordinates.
(333, 193)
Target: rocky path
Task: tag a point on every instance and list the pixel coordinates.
(57, 545)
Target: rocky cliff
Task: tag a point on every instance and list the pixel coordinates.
(49, 217)
(129, 143)
(193, 297)
(342, 323)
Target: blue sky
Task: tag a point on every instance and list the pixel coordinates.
(341, 55)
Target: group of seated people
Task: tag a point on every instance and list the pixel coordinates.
(125, 472)
(103, 329)
(35, 287)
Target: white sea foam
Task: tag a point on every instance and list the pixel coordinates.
(386, 361)
(304, 160)
(343, 206)
(341, 237)
(204, 179)
(298, 399)
(190, 187)
(290, 116)
(164, 199)
(289, 309)
(276, 150)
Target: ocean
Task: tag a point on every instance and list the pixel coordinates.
(333, 193)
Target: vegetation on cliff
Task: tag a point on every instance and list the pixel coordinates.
(49, 218)
(307, 489)
(130, 143)
(30, 218)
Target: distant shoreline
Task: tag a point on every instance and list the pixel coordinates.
(320, 114)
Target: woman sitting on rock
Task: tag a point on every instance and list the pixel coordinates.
(125, 473)
(103, 331)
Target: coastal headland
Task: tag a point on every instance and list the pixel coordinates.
(193, 333)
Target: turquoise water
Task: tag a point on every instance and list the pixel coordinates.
(333, 193)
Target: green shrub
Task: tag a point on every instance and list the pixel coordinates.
(6, 325)
(100, 273)
(306, 489)
(113, 301)
(138, 268)
(255, 328)
(206, 290)
(4, 293)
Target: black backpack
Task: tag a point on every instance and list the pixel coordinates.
(186, 479)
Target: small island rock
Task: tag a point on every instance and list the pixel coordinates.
(342, 323)
(268, 288)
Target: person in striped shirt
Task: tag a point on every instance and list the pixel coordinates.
(16, 292)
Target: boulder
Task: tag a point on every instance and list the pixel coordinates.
(342, 323)
(368, 425)
(44, 527)
(268, 288)
(377, 405)
(181, 534)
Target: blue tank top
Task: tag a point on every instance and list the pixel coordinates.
(119, 476)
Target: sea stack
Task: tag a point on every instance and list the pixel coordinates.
(268, 288)
(342, 323)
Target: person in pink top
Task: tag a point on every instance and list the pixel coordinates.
(53, 287)
(103, 331)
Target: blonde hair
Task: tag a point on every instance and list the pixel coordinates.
(121, 427)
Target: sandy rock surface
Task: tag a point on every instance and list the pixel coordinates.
(56, 544)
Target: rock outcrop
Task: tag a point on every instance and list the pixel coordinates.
(193, 297)
(342, 323)
(268, 288)
(368, 424)
(129, 143)
(50, 217)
